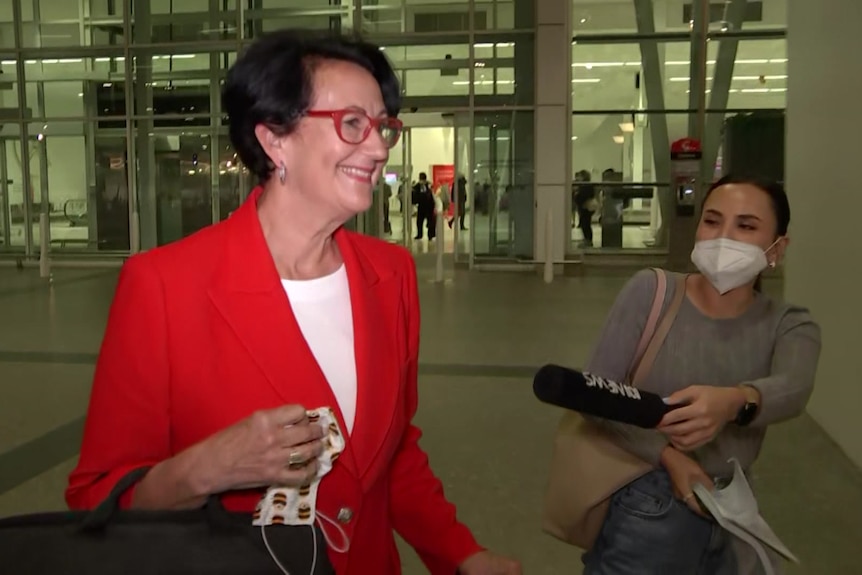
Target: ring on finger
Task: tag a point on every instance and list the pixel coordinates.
(295, 459)
(688, 497)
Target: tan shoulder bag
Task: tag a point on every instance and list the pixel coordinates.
(587, 466)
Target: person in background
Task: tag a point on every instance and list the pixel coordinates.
(423, 199)
(460, 188)
(735, 360)
(217, 345)
(584, 199)
(387, 196)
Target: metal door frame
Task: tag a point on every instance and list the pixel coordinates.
(4, 198)
(407, 175)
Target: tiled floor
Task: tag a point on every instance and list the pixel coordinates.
(488, 439)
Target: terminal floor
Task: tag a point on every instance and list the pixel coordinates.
(489, 440)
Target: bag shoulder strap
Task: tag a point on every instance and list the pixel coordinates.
(99, 517)
(652, 321)
(661, 332)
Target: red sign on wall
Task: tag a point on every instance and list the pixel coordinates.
(442, 174)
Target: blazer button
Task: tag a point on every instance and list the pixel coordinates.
(345, 514)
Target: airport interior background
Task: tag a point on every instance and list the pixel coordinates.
(113, 141)
(112, 137)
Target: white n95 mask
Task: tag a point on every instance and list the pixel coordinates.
(298, 505)
(727, 263)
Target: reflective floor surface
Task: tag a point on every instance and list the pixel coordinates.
(483, 335)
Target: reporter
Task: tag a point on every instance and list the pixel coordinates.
(739, 361)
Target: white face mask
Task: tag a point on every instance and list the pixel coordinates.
(727, 263)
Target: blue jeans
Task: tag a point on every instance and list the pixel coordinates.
(648, 531)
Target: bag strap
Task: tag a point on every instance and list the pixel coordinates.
(652, 321)
(215, 513)
(660, 334)
(100, 516)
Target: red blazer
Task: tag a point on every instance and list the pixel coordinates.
(201, 334)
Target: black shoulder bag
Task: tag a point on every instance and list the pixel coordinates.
(110, 541)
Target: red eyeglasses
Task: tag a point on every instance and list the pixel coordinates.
(354, 126)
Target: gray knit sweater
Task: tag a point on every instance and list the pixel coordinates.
(772, 346)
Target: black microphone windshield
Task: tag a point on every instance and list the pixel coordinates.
(587, 393)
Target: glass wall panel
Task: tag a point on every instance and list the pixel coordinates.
(621, 157)
(610, 77)
(59, 171)
(381, 17)
(614, 162)
(502, 185)
(434, 83)
(80, 111)
(12, 191)
(97, 9)
(272, 15)
(7, 27)
(608, 17)
(182, 183)
(435, 16)
(505, 14)
(230, 178)
(8, 87)
(108, 201)
(751, 142)
(82, 172)
(759, 73)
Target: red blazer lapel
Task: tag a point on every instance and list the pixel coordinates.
(376, 303)
(249, 295)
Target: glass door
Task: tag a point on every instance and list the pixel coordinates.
(461, 198)
(391, 190)
(405, 186)
(492, 169)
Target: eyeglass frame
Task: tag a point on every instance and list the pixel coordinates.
(373, 123)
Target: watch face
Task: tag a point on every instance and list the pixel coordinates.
(746, 414)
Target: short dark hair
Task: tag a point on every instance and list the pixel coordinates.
(423, 176)
(272, 83)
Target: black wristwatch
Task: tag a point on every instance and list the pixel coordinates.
(748, 411)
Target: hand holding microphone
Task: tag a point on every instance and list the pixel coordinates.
(705, 410)
(593, 395)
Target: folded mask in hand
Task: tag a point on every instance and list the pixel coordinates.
(298, 505)
(735, 509)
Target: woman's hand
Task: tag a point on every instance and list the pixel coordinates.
(273, 447)
(708, 410)
(684, 473)
(487, 563)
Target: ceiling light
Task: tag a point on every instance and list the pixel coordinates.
(628, 127)
(591, 65)
(619, 139)
(586, 80)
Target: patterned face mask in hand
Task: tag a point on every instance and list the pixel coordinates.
(298, 506)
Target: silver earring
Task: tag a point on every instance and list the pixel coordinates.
(282, 173)
(772, 264)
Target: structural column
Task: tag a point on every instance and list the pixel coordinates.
(522, 124)
(822, 272)
(144, 204)
(553, 128)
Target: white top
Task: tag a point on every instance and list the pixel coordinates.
(325, 316)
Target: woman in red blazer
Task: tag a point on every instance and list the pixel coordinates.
(216, 345)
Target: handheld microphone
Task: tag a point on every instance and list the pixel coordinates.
(588, 393)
